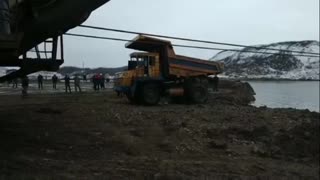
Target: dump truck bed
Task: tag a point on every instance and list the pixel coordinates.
(187, 66)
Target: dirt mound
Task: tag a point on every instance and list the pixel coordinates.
(300, 141)
(49, 111)
(233, 92)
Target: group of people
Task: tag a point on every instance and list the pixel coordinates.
(54, 79)
(77, 86)
(98, 81)
(66, 82)
(24, 84)
(14, 83)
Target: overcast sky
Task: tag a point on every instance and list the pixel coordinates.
(247, 22)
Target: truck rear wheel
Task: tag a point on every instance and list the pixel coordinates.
(151, 94)
(196, 91)
(199, 93)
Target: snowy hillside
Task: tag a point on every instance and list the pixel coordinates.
(282, 65)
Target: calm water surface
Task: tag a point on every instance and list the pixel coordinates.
(287, 94)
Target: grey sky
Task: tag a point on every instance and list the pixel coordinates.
(246, 22)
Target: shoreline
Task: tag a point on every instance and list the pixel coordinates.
(283, 108)
(271, 79)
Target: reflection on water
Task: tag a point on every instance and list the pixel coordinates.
(294, 94)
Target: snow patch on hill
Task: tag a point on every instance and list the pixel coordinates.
(282, 65)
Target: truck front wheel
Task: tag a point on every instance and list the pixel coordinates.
(131, 98)
(151, 94)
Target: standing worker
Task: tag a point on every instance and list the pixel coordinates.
(54, 81)
(107, 81)
(15, 83)
(40, 81)
(102, 81)
(215, 83)
(67, 83)
(25, 85)
(96, 83)
(77, 84)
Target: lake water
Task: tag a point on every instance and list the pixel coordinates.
(287, 94)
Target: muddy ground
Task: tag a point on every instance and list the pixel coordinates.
(100, 136)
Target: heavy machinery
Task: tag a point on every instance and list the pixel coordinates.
(27, 24)
(158, 71)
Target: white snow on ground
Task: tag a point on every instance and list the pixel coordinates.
(45, 74)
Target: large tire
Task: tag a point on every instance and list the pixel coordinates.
(134, 98)
(196, 91)
(204, 80)
(151, 94)
(130, 98)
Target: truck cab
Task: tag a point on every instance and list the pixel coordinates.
(144, 64)
(140, 65)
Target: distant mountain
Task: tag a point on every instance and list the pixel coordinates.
(282, 65)
(76, 70)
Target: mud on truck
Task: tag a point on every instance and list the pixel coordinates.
(158, 71)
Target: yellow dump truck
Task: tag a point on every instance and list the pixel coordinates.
(158, 71)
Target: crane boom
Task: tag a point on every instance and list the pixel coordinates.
(35, 22)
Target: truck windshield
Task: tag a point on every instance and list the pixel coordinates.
(141, 61)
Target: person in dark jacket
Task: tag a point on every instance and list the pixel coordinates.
(96, 82)
(40, 81)
(54, 81)
(215, 82)
(102, 81)
(67, 83)
(25, 85)
(77, 84)
(15, 83)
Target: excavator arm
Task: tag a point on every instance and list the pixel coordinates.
(53, 18)
(35, 22)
